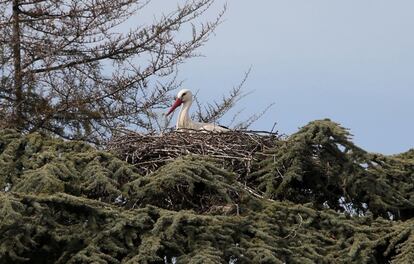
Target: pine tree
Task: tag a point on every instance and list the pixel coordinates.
(324, 201)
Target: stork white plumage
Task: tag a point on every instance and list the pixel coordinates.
(185, 98)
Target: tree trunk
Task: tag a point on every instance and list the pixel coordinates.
(18, 83)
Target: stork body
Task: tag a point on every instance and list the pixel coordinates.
(185, 99)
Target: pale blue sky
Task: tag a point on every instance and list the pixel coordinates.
(351, 61)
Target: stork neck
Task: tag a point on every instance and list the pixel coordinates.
(184, 120)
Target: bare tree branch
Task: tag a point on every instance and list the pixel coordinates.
(215, 111)
(66, 66)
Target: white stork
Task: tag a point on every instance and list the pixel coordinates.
(185, 98)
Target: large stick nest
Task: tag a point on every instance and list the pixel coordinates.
(235, 148)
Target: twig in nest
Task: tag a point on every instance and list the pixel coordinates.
(237, 148)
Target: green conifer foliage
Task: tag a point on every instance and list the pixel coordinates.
(65, 202)
(61, 228)
(37, 164)
(319, 164)
(187, 183)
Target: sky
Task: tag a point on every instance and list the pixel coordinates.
(351, 61)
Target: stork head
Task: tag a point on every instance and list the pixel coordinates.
(183, 96)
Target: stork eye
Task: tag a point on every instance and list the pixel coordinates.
(184, 94)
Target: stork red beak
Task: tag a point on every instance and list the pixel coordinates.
(176, 104)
